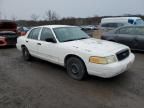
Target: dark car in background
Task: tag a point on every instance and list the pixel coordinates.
(8, 33)
(111, 23)
(22, 30)
(132, 36)
(89, 29)
(105, 27)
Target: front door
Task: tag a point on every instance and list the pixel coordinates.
(48, 49)
(126, 36)
(140, 38)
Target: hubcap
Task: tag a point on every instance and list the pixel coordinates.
(75, 68)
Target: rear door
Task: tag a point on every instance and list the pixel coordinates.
(32, 41)
(126, 36)
(140, 38)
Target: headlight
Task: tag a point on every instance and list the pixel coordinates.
(103, 60)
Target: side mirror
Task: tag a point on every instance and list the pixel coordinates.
(52, 40)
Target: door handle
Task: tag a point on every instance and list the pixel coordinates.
(38, 43)
(26, 41)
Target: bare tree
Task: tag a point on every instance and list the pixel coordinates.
(55, 16)
(48, 15)
(51, 15)
(13, 17)
(5, 17)
(34, 17)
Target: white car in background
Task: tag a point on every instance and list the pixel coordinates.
(70, 47)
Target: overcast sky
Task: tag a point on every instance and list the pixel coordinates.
(23, 9)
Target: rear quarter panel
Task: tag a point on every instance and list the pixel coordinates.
(20, 42)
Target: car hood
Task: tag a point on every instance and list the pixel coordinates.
(96, 46)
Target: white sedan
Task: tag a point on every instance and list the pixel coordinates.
(70, 47)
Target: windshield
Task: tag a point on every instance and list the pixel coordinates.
(139, 22)
(65, 34)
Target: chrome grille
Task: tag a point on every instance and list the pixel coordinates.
(121, 55)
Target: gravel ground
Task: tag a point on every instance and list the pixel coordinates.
(40, 84)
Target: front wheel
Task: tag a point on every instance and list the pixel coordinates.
(26, 54)
(76, 68)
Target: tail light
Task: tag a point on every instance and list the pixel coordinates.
(2, 40)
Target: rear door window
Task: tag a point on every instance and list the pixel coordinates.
(126, 30)
(139, 31)
(130, 21)
(34, 33)
(104, 25)
(112, 25)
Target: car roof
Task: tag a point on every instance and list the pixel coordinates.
(111, 31)
(55, 26)
(7, 21)
(131, 26)
(122, 18)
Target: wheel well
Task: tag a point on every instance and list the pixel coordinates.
(23, 46)
(72, 55)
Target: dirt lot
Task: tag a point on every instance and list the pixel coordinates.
(39, 84)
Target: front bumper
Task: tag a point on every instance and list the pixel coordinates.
(4, 42)
(110, 70)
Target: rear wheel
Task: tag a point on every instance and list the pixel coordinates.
(26, 54)
(76, 68)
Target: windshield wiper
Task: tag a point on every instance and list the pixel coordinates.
(83, 38)
(68, 40)
(76, 39)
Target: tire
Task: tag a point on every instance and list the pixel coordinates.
(26, 54)
(76, 68)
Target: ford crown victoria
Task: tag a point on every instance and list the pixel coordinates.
(80, 54)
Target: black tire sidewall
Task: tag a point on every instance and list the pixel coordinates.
(81, 66)
(26, 54)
